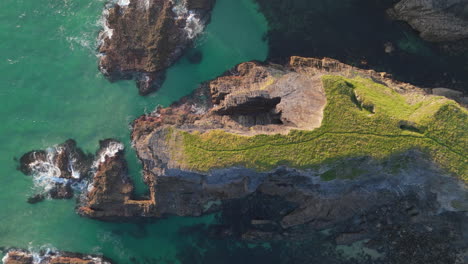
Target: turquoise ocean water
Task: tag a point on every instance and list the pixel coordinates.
(51, 90)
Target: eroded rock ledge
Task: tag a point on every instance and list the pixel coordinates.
(18, 256)
(141, 39)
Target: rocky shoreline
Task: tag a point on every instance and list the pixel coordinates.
(141, 39)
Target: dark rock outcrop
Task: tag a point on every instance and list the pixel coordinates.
(141, 39)
(18, 256)
(437, 21)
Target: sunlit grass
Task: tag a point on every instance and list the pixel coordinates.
(362, 118)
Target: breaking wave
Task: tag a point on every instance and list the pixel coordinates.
(108, 152)
(46, 174)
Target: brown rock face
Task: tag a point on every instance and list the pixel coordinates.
(436, 20)
(24, 257)
(142, 39)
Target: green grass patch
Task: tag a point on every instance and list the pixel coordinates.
(362, 119)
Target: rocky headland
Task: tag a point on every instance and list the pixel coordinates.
(289, 152)
(284, 152)
(19, 256)
(141, 39)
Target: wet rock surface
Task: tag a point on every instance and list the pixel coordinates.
(18, 256)
(142, 39)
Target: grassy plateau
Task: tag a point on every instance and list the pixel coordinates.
(361, 119)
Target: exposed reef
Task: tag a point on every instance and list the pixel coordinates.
(437, 21)
(141, 39)
(48, 256)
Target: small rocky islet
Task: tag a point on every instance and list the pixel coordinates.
(280, 151)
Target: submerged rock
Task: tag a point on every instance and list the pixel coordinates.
(142, 39)
(18, 256)
(437, 21)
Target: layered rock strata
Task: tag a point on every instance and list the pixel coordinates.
(17, 256)
(437, 21)
(141, 39)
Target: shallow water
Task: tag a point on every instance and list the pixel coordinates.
(51, 90)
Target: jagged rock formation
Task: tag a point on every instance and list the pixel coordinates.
(17, 256)
(56, 169)
(141, 39)
(437, 21)
(109, 194)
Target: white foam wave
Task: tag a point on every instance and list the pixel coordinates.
(123, 2)
(46, 174)
(193, 25)
(106, 30)
(46, 253)
(110, 151)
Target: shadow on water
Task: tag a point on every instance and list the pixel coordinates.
(357, 32)
(207, 246)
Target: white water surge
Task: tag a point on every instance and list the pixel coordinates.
(45, 254)
(46, 174)
(193, 25)
(110, 151)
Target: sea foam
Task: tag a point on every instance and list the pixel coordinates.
(110, 151)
